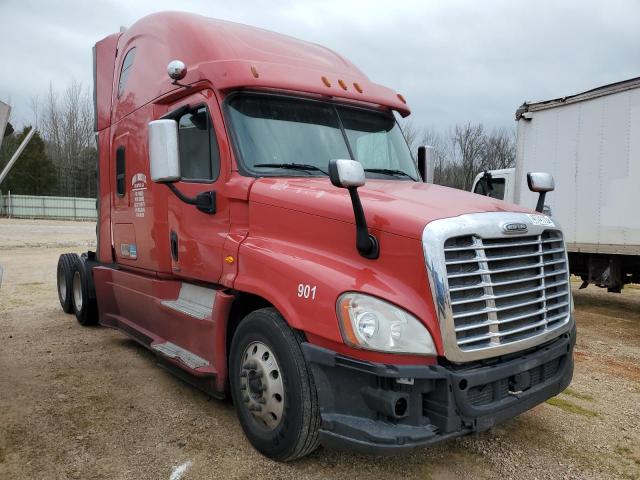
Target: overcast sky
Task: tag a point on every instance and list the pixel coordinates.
(454, 61)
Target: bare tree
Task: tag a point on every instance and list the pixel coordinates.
(66, 122)
(468, 143)
(465, 150)
(499, 150)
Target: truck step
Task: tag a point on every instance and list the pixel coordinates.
(172, 350)
(194, 301)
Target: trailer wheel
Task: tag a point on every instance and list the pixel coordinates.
(64, 276)
(272, 387)
(84, 304)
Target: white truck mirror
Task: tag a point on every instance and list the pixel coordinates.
(542, 183)
(346, 173)
(164, 157)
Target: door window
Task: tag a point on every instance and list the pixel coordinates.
(199, 154)
(496, 191)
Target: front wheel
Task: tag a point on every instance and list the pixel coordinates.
(272, 387)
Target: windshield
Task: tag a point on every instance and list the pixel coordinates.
(275, 133)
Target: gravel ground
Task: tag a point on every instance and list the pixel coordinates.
(88, 403)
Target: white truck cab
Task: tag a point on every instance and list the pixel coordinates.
(500, 186)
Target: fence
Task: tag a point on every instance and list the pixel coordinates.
(31, 206)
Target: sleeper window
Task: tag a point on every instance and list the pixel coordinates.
(127, 64)
(199, 155)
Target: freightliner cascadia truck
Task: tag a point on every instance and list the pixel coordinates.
(264, 229)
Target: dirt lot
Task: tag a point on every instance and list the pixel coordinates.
(89, 403)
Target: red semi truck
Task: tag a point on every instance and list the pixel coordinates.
(263, 228)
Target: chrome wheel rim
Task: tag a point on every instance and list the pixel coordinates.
(261, 385)
(62, 284)
(77, 290)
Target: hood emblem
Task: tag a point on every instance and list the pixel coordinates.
(515, 227)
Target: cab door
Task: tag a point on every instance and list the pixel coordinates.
(196, 238)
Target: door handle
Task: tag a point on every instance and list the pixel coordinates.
(173, 237)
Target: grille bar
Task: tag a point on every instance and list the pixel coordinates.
(504, 245)
(510, 282)
(506, 289)
(509, 257)
(510, 269)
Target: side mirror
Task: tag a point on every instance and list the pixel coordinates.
(349, 174)
(540, 182)
(422, 162)
(425, 163)
(164, 157)
(346, 173)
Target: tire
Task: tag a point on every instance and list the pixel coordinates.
(84, 303)
(295, 433)
(64, 276)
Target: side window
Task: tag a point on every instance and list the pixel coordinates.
(127, 64)
(120, 172)
(199, 155)
(497, 190)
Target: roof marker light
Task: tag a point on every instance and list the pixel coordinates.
(402, 99)
(342, 84)
(357, 86)
(326, 81)
(254, 71)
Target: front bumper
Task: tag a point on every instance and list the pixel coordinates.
(377, 408)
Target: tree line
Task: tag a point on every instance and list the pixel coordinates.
(463, 151)
(61, 158)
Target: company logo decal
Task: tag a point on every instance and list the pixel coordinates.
(138, 186)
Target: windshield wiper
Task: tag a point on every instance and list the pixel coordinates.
(390, 171)
(291, 166)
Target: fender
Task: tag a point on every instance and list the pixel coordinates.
(302, 271)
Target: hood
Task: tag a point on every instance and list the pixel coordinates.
(394, 206)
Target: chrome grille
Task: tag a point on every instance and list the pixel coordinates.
(506, 289)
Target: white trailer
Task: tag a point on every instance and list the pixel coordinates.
(590, 143)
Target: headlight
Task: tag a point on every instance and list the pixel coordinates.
(373, 324)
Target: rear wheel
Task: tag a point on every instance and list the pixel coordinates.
(64, 276)
(84, 303)
(272, 387)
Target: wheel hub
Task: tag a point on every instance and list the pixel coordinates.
(261, 385)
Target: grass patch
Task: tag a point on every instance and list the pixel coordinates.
(582, 396)
(571, 407)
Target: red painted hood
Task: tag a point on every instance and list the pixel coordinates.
(394, 206)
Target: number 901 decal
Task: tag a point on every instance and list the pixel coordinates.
(306, 291)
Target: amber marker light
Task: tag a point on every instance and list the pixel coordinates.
(357, 86)
(347, 328)
(229, 259)
(326, 81)
(254, 71)
(342, 84)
